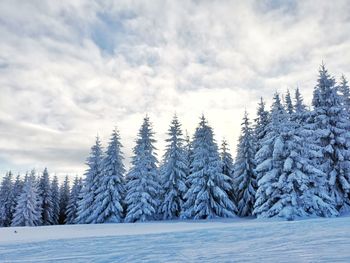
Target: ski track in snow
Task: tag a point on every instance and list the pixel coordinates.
(313, 240)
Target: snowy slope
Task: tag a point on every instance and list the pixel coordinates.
(314, 240)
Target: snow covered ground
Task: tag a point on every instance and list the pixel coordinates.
(313, 240)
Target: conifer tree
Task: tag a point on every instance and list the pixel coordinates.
(208, 195)
(64, 198)
(91, 182)
(6, 200)
(299, 106)
(227, 167)
(330, 124)
(188, 155)
(46, 198)
(173, 173)
(28, 209)
(55, 195)
(142, 197)
(17, 190)
(269, 160)
(315, 200)
(289, 103)
(261, 123)
(244, 176)
(188, 147)
(290, 185)
(72, 206)
(345, 93)
(108, 205)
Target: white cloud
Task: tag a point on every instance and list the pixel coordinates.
(71, 70)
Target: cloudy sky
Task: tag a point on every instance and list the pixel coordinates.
(72, 70)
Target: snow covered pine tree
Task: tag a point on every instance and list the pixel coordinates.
(244, 175)
(108, 205)
(91, 183)
(64, 198)
(55, 195)
(72, 206)
(227, 168)
(316, 200)
(289, 186)
(261, 121)
(208, 195)
(46, 198)
(345, 93)
(143, 189)
(173, 173)
(270, 161)
(28, 209)
(331, 126)
(6, 200)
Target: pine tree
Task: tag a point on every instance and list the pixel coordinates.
(72, 206)
(290, 185)
(6, 200)
(173, 173)
(299, 106)
(315, 200)
(91, 182)
(17, 190)
(269, 160)
(64, 198)
(345, 93)
(301, 182)
(244, 176)
(108, 205)
(28, 209)
(46, 199)
(208, 195)
(188, 155)
(289, 104)
(227, 167)
(330, 124)
(261, 123)
(142, 182)
(55, 196)
(305, 181)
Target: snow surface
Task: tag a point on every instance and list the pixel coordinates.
(231, 240)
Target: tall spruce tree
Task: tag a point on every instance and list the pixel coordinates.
(46, 199)
(290, 185)
(245, 176)
(108, 205)
(17, 190)
(301, 182)
(208, 195)
(173, 173)
(330, 123)
(299, 106)
(72, 206)
(142, 197)
(289, 103)
(261, 122)
(6, 200)
(316, 200)
(345, 93)
(227, 167)
(269, 160)
(188, 155)
(91, 182)
(28, 209)
(64, 198)
(55, 196)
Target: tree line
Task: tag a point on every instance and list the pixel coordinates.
(292, 161)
